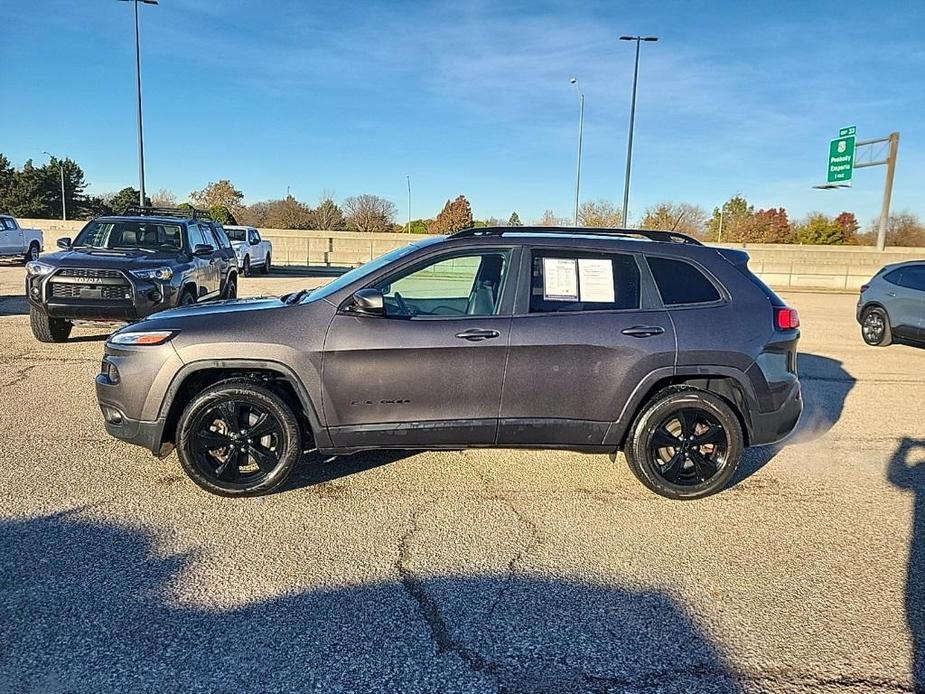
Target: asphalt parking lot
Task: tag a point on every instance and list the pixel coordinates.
(465, 571)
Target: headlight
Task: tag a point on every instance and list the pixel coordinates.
(142, 337)
(162, 274)
(38, 268)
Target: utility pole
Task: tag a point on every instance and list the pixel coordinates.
(409, 203)
(141, 139)
(581, 123)
(629, 144)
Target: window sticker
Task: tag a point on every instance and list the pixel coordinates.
(595, 275)
(560, 279)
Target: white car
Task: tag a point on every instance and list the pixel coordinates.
(16, 242)
(254, 253)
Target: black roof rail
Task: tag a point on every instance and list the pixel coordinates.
(181, 212)
(651, 234)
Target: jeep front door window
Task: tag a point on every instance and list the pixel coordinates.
(466, 285)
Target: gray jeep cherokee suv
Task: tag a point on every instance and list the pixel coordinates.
(585, 339)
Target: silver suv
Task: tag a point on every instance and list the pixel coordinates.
(892, 305)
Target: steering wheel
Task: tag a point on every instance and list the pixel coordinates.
(403, 306)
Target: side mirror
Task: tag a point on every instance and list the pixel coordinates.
(202, 249)
(369, 302)
(64, 242)
(254, 243)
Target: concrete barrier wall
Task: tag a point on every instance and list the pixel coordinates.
(782, 266)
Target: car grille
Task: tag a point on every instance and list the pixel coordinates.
(89, 272)
(99, 284)
(109, 292)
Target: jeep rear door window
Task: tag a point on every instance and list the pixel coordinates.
(463, 285)
(680, 283)
(583, 281)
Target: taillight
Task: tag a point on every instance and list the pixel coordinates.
(864, 288)
(786, 318)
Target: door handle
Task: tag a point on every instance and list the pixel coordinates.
(475, 335)
(643, 331)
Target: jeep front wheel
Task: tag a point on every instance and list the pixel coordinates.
(48, 329)
(238, 438)
(685, 444)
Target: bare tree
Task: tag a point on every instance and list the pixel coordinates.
(164, 198)
(669, 216)
(328, 216)
(549, 219)
(599, 213)
(370, 213)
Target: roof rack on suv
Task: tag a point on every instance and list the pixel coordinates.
(182, 212)
(652, 235)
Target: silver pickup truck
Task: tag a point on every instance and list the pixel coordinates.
(16, 242)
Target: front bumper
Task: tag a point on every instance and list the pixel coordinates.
(126, 299)
(135, 431)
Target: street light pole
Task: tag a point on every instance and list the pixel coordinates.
(63, 199)
(581, 123)
(629, 145)
(409, 203)
(141, 143)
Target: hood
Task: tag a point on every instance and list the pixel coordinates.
(110, 259)
(210, 308)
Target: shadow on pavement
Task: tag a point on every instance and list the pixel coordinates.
(88, 606)
(13, 305)
(314, 470)
(907, 471)
(283, 271)
(825, 385)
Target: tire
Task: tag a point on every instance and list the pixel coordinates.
(187, 298)
(228, 462)
(875, 327)
(48, 329)
(266, 265)
(32, 253)
(231, 288)
(685, 471)
(246, 266)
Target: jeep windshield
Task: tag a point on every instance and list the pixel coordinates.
(130, 235)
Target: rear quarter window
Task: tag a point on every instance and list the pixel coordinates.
(681, 283)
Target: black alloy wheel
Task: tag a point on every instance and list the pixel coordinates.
(686, 443)
(689, 446)
(238, 438)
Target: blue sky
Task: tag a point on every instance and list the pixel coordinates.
(472, 98)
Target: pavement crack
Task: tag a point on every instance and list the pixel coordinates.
(440, 632)
(18, 376)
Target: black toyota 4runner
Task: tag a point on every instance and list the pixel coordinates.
(123, 268)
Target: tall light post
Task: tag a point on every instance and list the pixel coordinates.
(581, 123)
(63, 199)
(141, 141)
(409, 203)
(629, 145)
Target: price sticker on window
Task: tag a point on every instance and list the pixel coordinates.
(560, 279)
(595, 276)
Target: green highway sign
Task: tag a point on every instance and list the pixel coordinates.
(850, 130)
(841, 159)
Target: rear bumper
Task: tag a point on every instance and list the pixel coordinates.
(770, 427)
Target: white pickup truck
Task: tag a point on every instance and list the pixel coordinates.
(16, 242)
(254, 253)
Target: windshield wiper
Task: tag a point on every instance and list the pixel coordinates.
(295, 296)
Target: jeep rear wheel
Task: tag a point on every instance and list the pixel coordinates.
(685, 444)
(231, 288)
(48, 329)
(238, 438)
